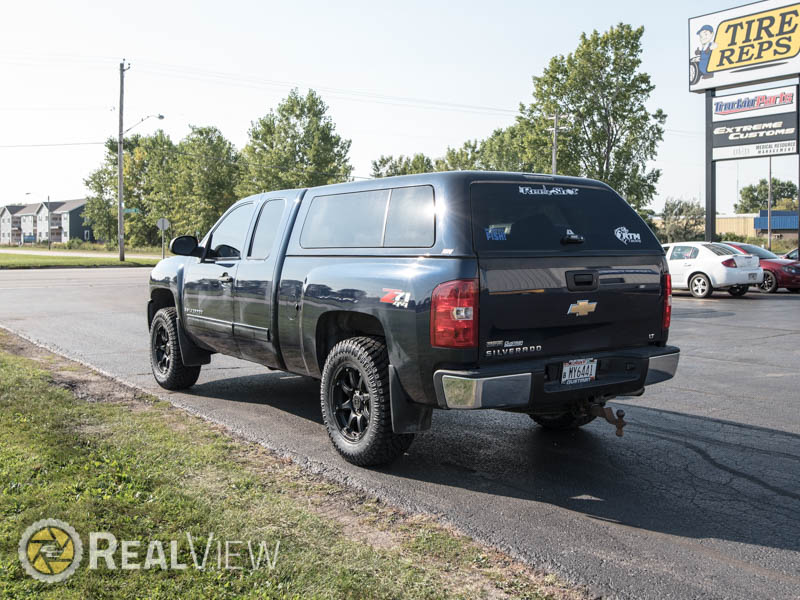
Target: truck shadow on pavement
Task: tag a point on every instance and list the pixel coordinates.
(671, 473)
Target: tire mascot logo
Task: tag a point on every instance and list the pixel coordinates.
(50, 550)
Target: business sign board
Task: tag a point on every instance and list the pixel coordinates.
(744, 45)
(760, 123)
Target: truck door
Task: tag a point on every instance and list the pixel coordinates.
(208, 285)
(254, 287)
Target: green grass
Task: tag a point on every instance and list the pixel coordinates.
(31, 261)
(81, 246)
(144, 471)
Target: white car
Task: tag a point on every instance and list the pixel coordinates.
(702, 267)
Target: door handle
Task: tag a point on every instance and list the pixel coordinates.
(225, 278)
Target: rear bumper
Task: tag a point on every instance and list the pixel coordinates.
(739, 277)
(535, 385)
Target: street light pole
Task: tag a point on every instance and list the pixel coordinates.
(49, 223)
(120, 213)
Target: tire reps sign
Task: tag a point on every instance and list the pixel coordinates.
(754, 124)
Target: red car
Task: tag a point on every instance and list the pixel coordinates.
(778, 272)
(791, 255)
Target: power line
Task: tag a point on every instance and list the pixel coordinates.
(52, 145)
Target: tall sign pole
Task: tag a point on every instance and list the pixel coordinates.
(769, 207)
(120, 212)
(711, 171)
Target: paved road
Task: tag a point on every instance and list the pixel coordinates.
(87, 254)
(700, 499)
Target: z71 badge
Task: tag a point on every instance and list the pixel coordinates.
(397, 298)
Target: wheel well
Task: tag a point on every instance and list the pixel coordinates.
(335, 326)
(689, 279)
(160, 298)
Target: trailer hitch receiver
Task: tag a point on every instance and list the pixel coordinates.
(618, 421)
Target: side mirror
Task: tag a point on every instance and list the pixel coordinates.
(185, 245)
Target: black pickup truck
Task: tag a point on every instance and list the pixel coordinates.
(463, 290)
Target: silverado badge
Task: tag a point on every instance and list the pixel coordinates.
(582, 308)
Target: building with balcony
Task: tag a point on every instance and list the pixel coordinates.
(10, 229)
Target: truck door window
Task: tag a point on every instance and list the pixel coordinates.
(266, 229)
(228, 236)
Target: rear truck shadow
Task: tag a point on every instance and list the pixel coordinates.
(672, 473)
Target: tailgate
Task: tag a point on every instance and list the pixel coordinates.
(544, 292)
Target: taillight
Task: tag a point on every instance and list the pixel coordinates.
(454, 314)
(667, 301)
(730, 263)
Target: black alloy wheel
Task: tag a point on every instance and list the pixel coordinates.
(350, 402)
(770, 283)
(162, 348)
(165, 354)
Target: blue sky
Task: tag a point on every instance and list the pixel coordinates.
(392, 74)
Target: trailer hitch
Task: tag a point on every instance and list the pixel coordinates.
(600, 410)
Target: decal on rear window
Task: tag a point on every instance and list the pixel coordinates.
(547, 191)
(627, 237)
(497, 234)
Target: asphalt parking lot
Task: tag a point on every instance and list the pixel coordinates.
(700, 499)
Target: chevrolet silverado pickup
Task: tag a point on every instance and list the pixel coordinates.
(536, 294)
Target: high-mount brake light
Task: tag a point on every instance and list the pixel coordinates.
(454, 314)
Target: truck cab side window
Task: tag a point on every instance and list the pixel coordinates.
(266, 229)
(228, 236)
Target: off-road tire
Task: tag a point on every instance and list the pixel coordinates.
(737, 291)
(700, 286)
(770, 283)
(562, 422)
(176, 375)
(379, 445)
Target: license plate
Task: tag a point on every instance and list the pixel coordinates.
(579, 371)
(752, 276)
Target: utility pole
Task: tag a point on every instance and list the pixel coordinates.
(769, 207)
(555, 129)
(120, 213)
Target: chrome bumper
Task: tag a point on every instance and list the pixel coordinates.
(468, 391)
(661, 368)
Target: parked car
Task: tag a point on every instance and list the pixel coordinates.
(702, 267)
(466, 290)
(778, 272)
(791, 255)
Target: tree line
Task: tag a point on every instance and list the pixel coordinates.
(599, 91)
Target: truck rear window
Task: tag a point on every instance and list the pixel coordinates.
(535, 218)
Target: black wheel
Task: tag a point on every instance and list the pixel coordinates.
(165, 354)
(700, 286)
(354, 394)
(737, 291)
(770, 283)
(563, 421)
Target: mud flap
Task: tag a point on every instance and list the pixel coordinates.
(191, 354)
(407, 417)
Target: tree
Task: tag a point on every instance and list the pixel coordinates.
(753, 198)
(389, 166)
(466, 158)
(148, 178)
(100, 212)
(206, 175)
(682, 220)
(601, 94)
(294, 146)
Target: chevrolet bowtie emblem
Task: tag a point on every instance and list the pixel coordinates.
(582, 308)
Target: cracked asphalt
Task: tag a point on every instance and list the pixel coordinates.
(700, 499)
